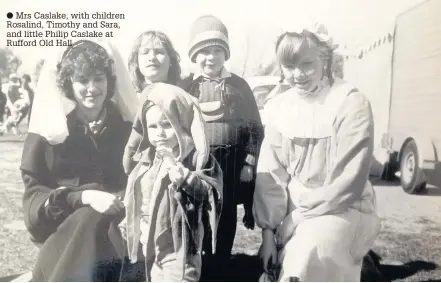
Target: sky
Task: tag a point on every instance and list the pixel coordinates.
(253, 24)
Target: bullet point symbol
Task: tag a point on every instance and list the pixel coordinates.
(9, 15)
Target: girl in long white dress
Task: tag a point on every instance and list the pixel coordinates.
(313, 199)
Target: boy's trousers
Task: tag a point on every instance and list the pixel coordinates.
(230, 159)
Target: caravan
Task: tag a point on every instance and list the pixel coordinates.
(400, 73)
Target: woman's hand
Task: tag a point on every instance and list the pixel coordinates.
(57, 189)
(246, 175)
(103, 202)
(268, 252)
(178, 173)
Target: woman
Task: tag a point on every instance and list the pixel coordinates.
(313, 199)
(71, 164)
(153, 60)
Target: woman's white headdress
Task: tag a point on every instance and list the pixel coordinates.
(51, 106)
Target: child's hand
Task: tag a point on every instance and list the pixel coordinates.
(167, 154)
(246, 175)
(178, 173)
(268, 251)
(248, 220)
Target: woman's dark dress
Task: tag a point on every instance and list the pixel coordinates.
(76, 242)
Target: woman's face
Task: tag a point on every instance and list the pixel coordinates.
(306, 72)
(153, 60)
(90, 90)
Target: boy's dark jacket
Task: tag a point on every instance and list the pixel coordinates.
(244, 114)
(243, 121)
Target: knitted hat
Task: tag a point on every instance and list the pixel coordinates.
(208, 31)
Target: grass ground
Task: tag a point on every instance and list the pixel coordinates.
(17, 253)
(409, 243)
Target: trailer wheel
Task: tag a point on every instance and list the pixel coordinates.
(411, 173)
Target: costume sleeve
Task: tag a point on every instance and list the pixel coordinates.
(207, 185)
(199, 184)
(44, 205)
(254, 125)
(130, 149)
(354, 130)
(137, 124)
(270, 196)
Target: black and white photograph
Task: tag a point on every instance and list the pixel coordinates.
(220, 141)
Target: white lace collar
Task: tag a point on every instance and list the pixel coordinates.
(297, 116)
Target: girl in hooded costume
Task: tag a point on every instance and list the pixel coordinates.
(313, 199)
(174, 183)
(72, 163)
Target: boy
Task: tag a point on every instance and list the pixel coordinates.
(174, 183)
(234, 127)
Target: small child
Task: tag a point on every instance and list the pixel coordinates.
(18, 111)
(234, 127)
(174, 183)
(17, 104)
